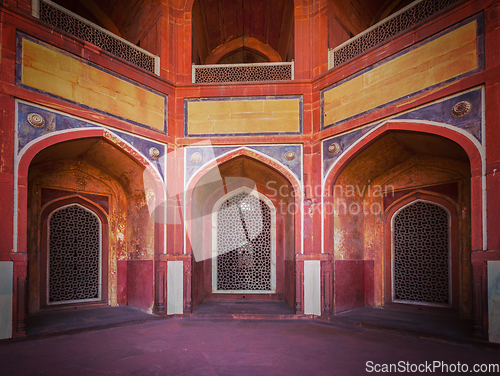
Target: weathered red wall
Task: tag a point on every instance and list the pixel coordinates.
(121, 284)
(173, 29)
(140, 284)
(349, 285)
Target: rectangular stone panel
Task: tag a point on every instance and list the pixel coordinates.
(252, 115)
(175, 287)
(494, 300)
(312, 287)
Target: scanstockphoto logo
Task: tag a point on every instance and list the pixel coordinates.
(349, 200)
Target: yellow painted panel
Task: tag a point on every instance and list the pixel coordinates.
(244, 116)
(429, 51)
(60, 86)
(437, 61)
(278, 105)
(352, 86)
(201, 127)
(48, 69)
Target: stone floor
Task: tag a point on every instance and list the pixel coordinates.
(235, 309)
(72, 320)
(420, 322)
(194, 346)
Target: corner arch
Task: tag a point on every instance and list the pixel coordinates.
(26, 155)
(474, 150)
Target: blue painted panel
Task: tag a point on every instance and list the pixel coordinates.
(55, 121)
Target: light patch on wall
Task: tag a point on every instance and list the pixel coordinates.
(312, 287)
(494, 300)
(6, 277)
(243, 116)
(444, 58)
(175, 287)
(51, 70)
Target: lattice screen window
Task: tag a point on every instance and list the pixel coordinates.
(74, 255)
(402, 20)
(243, 72)
(421, 264)
(73, 24)
(244, 245)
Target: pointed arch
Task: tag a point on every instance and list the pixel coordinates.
(259, 157)
(243, 151)
(99, 213)
(28, 152)
(472, 147)
(250, 43)
(450, 207)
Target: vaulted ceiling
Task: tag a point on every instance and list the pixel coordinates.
(232, 31)
(257, 28)
(112, 15)
(357, 15)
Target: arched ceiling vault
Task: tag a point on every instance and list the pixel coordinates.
(220, 22)
(356, 16)
(219, 25)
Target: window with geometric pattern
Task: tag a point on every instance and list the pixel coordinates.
(421, 255)
(245, 254)
(74, 259)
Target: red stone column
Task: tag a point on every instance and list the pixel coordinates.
(19, 296)
(161, 287)
(299, 286)
(327, 283)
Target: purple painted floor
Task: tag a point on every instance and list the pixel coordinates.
(68, 321)
(229, 347)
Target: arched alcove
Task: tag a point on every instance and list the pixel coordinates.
(370, 186)
(93, 172)
(247, 177)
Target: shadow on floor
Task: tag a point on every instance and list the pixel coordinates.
(81, 319)
(439, 324)
(239, 309)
